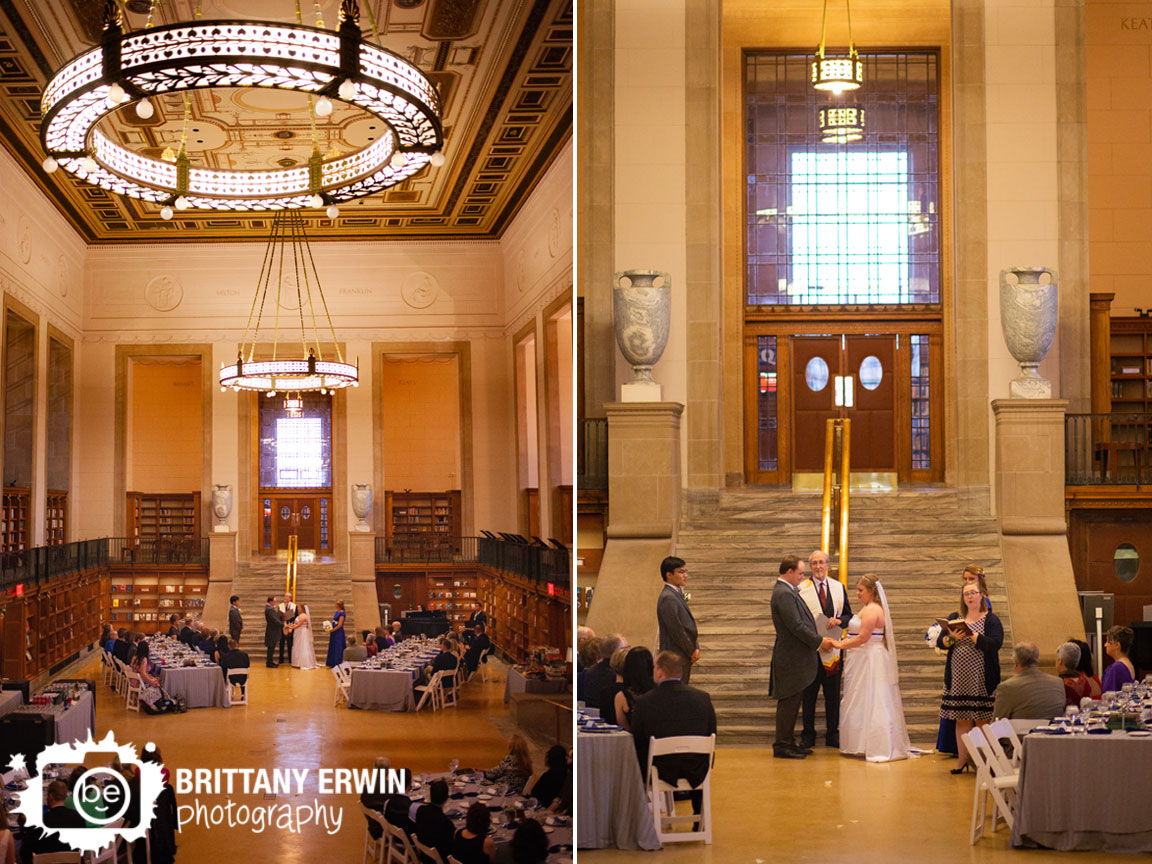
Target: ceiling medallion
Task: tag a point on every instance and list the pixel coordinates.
(288, 267)
(138, 66)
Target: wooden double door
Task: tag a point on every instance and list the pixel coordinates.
(888, 383)
(305, 514)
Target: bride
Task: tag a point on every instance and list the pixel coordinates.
(303, 651)
(872, 715)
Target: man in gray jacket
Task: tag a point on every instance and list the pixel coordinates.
(235, 619)
(794, 656)
(677, 625)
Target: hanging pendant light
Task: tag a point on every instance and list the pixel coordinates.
(840, 124)
(837, 73)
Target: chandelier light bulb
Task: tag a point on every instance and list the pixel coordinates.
(116, 95)
(323, 107)
(88, 164)
(144, 109)
(347, 90)
(333, 211)
(165, 213)
(315, 201)
(399, 160)
(50, 165)
(271, 393)
(182, 203)
(437, 159)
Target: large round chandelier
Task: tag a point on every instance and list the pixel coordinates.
(287, 277)
(325, 64)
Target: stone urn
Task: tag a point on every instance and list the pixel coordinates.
(1029, 304)
(642, 314)
(362, 504)
(222, 501)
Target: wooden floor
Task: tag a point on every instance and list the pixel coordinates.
(291, 723)
(830, 807)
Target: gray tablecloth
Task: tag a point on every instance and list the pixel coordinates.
(610, 795)
(1085, 792)
(381, 690)
(515, 682)
(10, 700)
(73, 723)
(201, 686)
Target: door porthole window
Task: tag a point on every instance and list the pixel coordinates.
(1125, 562)
(285, 513)
(816, 374)
(306, 512)
(871, 372)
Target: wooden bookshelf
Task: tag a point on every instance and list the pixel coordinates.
(52, 621)
(16, 521)
(171, 517)
(143, 598)
(1130, 365)
(529, 617)
(455, 593)
(56, 518)
(416, 521)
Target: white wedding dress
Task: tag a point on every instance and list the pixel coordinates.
(303, 651)
(872, 713)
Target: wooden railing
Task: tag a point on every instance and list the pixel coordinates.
(1107, 449)
(834, 514)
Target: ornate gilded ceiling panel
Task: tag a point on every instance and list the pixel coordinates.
(503, 69)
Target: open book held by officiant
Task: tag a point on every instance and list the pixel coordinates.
(955, 623)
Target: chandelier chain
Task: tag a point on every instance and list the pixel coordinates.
(265, 279)
(372, 18)
(152, 7)
(296, 220)
(264, 266)
(324, 301)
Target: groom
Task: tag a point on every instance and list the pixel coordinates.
(794, 657)
(273, 629)
(828, 597)
(287, 611)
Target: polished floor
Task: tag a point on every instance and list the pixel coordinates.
(291, 723)
(832, 808)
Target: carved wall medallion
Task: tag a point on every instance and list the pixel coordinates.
(163, 293)
(62, 276)
(555, 234)
(24, 239)
(419, 289)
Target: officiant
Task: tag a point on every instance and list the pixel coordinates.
(828, 601)
(288, 610)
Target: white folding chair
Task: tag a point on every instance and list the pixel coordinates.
(109, 669)
(121, 675)
(343, 684)
(232, 685)
(56, 858)
(483, 664)
(374, 850)
(660, 793)
(430, 690)
(430, 852)
(996, 732)
(448, 689)
(988, 784)
(399, 846)
(132, 691)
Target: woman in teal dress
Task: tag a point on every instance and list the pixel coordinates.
(337, 640)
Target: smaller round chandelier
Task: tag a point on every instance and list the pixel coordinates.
(840, 124)
(287, 277)
(178, 58)
(837, 74)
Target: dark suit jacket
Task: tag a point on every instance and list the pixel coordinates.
(235, 619)
(794, 656)
(669, 709)
(189, 636)
(120, 650)
(445, 661)
(677, 626)
(597, 682)
(36, 843)
(472, 655)
(234, 660)
(273, 626)
(435, 829)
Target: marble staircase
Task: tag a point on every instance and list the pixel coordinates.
(917, 541)
(318, 586)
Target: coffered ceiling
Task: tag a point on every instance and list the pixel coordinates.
(503, 69)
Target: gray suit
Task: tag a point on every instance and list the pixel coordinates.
(794, 656)
(235, 622)
(677, 626)
(273, 627)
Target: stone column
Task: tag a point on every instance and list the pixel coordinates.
(644, 489)
(1038, 573)
(221, 573)
(362, 570)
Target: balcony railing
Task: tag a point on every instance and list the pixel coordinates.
(1107, 449)
(158, 550)
(529, 560)
(41, 563)
(592, 454)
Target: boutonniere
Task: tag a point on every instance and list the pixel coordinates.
(687, 596)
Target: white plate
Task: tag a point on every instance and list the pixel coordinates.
(1139, 733)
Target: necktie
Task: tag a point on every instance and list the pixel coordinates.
(823, 601)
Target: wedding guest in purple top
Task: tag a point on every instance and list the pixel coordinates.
(1117, 644)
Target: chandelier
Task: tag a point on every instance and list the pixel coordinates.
(132, 68)
(287, 276)
(837, 74)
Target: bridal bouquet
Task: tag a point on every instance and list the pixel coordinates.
(327, 626)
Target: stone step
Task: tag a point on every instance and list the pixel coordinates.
(318, 586)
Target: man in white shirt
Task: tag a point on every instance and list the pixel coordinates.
(288, 609)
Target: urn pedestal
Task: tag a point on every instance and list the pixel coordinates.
(642, 316)
(1029, 306)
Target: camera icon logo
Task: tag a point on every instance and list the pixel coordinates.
(102, 796)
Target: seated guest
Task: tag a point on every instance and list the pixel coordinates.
(1085, 666)
(376, 800)
(670, 709)
(445, 661)
(105, 643)
(207, 642)
(609, 694)
(529, 845)
(397, 636)
(396, 812)
(355, 653)
(583, 634)
(600, 678)
(152, 699)
(1117, 644)
(370, 645)
(1076, 683)
(121, 645)
(548, 787)
(173, 627)
(56, 815)
(637, 682)
(1031, 693)
(589, 657)
(234, 658)
(433, 828)
(221, 647)
(382, 639)
(471, 844)
(187, 633)
(479, 645)
(133, 644)
(516, 767)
